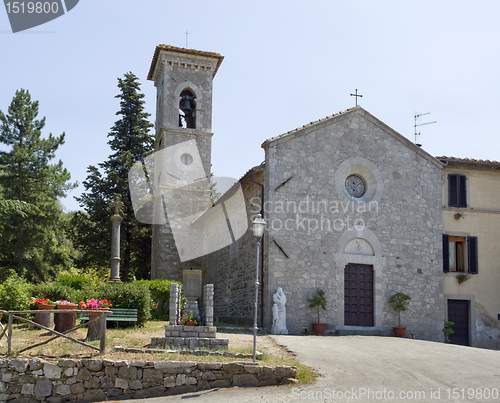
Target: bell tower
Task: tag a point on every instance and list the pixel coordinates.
(183, 81)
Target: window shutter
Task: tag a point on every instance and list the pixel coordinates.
(472, 253)
(446, 254)
(462, 195)
(457, 190)
(453, 190)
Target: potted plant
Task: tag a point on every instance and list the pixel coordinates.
(448, 330)
(45, 304)
(318, 300)
(65, 304)
(458, 216)
(189, 320)
(461, 278)
(399, 302)
(102, 305)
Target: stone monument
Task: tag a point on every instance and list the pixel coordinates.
(279, 312)
(192, 280)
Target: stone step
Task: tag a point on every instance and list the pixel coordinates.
(190, 342)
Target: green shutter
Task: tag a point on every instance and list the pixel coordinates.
(472, 253)
(446, 253)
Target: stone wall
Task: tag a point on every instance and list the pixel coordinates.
(232, 269)
(34, 380)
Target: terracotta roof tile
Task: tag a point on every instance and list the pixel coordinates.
(468, 160)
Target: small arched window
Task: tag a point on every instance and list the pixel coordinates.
(187, 110)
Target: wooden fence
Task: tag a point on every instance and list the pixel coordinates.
(98, 321)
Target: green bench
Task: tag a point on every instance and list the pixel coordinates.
(119, 315)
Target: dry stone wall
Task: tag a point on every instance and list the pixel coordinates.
(32, 380)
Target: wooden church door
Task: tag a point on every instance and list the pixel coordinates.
(358, 295)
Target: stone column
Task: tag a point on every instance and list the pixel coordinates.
(208, 303)
(115, 244)
(174, 305)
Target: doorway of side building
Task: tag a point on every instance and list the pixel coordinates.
(458, 312)
(358, 295)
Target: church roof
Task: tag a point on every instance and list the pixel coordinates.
(367, 115)
(468, 160)
(195, 52)
(308, 125)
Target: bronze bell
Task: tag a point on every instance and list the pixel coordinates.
(187, 104)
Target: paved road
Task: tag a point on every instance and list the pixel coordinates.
(360, 369)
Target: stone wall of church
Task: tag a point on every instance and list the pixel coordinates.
(232, 269)
(397, 224)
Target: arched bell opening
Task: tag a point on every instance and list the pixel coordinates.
(187, 110)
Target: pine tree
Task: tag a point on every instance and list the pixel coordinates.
(130, 141)
(30, 187)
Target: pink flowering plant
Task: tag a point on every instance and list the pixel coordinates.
(95, 304)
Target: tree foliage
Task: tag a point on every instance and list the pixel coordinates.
(130, 141)
(30, 185)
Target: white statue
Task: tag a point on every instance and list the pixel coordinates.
(279, 312)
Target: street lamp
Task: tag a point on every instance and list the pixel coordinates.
(258, 230)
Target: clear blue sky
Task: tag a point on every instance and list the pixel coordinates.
(286, 63)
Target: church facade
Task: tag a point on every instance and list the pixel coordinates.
(351, 207)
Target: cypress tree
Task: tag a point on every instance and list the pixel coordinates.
(130, 141)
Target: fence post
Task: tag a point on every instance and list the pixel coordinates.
(102, 345)
(9, 335)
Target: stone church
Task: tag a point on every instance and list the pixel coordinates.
(351, 207)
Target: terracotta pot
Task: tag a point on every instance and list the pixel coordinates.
(190, 323)
(46, 307)
(399, 331)
(319, 328)
(90, 313)
(67, 306)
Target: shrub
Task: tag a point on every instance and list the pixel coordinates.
(160, 295)
(54, 291)
(15, 293)
(126, 295)
(77, 282)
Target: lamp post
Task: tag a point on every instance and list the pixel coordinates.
(258, 230)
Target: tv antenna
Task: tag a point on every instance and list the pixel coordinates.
(416, 116)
